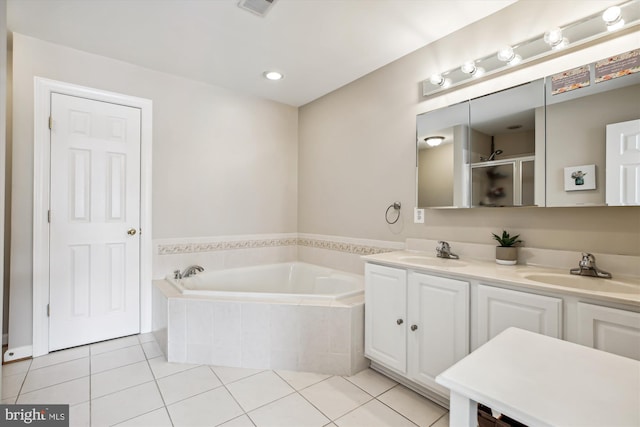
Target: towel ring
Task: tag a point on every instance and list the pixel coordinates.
(396, 206)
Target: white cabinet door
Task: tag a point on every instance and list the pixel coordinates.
(499, 309)
(438, 326)
(623, 164)
(385, 316)
(609, 329)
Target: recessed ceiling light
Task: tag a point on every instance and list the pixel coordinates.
(273, 75)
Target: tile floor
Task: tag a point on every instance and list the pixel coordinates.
(128, 382)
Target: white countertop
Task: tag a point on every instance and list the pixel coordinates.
(544, 381)
(619, 289)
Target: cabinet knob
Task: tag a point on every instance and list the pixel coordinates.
(414, 327)
(399, 321)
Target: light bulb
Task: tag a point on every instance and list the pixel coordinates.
(554, 39)
(437, 79)
(469, 67)
(506, 54)
(613, 18)
(273, 75)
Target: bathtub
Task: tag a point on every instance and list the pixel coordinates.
(293, 316)
(291, 281)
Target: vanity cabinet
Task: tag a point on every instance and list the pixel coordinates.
(609, 329)
(385, 316)
(415, 324)
(439, 326)
(499, 309)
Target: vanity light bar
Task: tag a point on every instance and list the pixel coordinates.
(574, 34)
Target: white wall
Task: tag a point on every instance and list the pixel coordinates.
(223, 163)
(357, 144)
(3, 128)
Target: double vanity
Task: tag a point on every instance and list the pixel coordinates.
(425, 313)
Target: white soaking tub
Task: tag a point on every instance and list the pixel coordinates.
(285, 281)
(292, 316)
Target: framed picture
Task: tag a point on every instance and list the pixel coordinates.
(578, 178)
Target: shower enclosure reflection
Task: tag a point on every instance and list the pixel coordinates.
(505, 128)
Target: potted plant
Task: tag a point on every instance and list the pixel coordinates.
(507, 252)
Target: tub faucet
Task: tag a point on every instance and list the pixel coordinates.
(587, 267)
(443, 250)
(189, 271)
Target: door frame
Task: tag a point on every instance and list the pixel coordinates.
(43, 90)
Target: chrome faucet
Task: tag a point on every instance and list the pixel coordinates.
(189, 271)
(587, 267)
(443, 250)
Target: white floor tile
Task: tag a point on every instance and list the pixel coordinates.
(207, 409)
(229, 374)
(55, 374)
(152, 349)
(259, 389)
(125, 404)
(187, 383)
(71, 392)
(442, 422)
(147, 337)
(120, 378)
(105, 346)
(372, 382)
(290, 411)
(241, 421)
(116, 358)
(161, 368)
(418, 409)
(16, 367)
(59, 357)
(300, 380)
(80, 415)
(335, 397)
(373, 414)
(11, 384)
(157, 418)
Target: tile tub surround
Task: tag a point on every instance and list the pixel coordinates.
(128, 382)
(222, 252)
(323, 337)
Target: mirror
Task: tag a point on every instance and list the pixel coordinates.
(488, 153)
(506, 132)
(577, 140)
(442, 157)
(538, 144)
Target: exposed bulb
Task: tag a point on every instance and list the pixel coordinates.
(469, 67)
(613, 18)
(555, 39)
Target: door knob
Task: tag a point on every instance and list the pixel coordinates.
(414, 327)
(131, 232)
(399, 321)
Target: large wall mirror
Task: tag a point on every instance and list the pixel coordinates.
(537, 144)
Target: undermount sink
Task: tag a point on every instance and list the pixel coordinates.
(584, 283)
(432, 261)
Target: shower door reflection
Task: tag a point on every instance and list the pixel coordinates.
(502, 183)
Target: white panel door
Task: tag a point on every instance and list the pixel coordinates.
(623, 164)
(385, 316)
(609, 329)
(438, 327)
(499, 309)
(94, 222)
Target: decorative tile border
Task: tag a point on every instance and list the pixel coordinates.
(342, 246)
(334, 244)
(184, 248)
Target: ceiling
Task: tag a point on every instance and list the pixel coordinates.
(320, 45)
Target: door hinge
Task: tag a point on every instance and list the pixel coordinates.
(48, 310)
(49, 216)
(50, 122)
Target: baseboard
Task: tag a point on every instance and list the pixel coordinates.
(18, 353)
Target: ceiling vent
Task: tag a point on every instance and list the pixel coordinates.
(257, 7)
